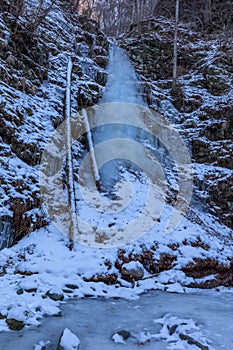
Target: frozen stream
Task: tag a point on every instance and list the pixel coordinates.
(94, 321)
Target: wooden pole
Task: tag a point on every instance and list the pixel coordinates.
(70, 175)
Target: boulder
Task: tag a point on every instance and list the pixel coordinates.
(55, 295)
(124, 334)
(133, 270)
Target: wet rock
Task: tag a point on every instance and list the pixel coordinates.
(20, 291)
(124, 334)
(55, 295)
(59, 314)
(192, 341)
(90, 27)
(2, 316)
(218, 130)
(15, 325)
(172, 329)
(71, 286)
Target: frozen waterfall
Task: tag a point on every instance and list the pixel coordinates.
(122, 84)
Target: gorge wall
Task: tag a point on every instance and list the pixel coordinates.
(202, 105)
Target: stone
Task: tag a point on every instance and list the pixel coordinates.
(55, 295)
(173, 329)
(71, 286)
(15, 325)
(132, 270)
(19, 291)
(125, 334)
(192, 341)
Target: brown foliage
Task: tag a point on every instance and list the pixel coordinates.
(223, 274)
(146, 258)
(107, 279)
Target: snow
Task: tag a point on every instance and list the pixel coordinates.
(52, 266)
(174, 328)
(133, 265)
(41, 345)
(117, 338)
(69, 341)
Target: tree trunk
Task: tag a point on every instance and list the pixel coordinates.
(174, 79)
(207, 13)
(75, 5)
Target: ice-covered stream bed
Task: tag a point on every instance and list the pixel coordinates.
(204, 316)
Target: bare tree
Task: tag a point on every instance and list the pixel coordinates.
(116, 16)
(174, 79)
(207, 13)
(75, 5)
(16, 7)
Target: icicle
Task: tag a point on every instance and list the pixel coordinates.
(5, 232)
(92, 152)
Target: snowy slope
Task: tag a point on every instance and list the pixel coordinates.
(33, 81)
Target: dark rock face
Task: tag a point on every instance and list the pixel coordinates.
(151, 53)
(203, 99)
